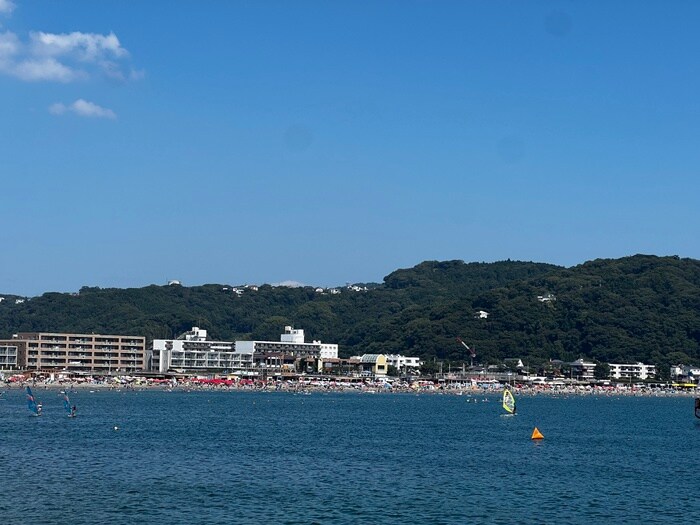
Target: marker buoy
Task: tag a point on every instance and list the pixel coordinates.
(536, 434)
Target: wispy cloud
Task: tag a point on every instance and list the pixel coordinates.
(64, 57)
(6, 7)
(45, 69)
(289, 284)
(82, 108)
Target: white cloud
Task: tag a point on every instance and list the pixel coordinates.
(6, 7)
(64, 57)
(88, 47)
(82, 108)
(57, 108)
(45, 69)
(9, 45)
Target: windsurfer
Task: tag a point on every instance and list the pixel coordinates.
(73, 410)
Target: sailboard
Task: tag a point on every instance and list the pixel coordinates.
(508, 401)
(32, 405)
(67, 406)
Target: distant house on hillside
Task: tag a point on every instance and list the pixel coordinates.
(481, 314)
(546, 298)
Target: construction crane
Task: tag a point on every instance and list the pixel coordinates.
(472, 352)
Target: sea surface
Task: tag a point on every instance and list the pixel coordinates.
(245, 457)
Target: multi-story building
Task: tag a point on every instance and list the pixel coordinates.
(11, 355)
(685, 373)
(632, 371)
(193, 352)
(403, 363)
(79, 353)
(584, 370)
(291, 343)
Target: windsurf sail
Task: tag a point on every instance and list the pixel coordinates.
(66, 404)
(508, 401)
(31, 402)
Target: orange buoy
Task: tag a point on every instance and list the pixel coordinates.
(536, 434)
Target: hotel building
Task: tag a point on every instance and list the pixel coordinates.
(192, 352)
(291, 343)
(79, 353)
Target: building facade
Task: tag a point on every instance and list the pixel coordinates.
(12, 355)
(372, 365)
(403, 363)
(688, 373)
(292, 342)
(632, 371)
(192, 352)
(79, 353)
(583, 370)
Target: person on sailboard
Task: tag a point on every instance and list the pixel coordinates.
(72, 411)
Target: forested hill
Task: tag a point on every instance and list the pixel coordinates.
(639, 308)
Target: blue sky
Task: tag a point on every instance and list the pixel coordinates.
(332, 142)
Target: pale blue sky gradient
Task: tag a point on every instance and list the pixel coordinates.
(332, 142)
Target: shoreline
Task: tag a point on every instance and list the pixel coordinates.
(301, 387)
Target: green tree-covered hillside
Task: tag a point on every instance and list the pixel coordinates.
(639, 308)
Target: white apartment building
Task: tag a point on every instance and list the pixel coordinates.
(193, 352)
(632, 371)
(403, 363)
(292, 342)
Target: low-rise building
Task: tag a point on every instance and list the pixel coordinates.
(583, 370)
(632, 371)
(372, 365)
(402, 363)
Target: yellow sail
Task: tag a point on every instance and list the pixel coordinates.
(508, 401)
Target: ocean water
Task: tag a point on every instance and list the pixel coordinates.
(244, 458)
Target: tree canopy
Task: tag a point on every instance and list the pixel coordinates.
(639, 308)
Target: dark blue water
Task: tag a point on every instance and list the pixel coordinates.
(241, 457)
